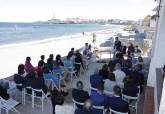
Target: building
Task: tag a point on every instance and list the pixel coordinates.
(155, 91)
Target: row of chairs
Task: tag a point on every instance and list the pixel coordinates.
(133, 101)
(33, 94)
(98, 108)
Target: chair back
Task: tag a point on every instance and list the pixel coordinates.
(116, 112)
(99, 108)
(128, 98)
(93, 89)
(37, 91)
(108, 93)
(75, 102)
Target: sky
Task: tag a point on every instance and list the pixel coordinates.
(42, 10)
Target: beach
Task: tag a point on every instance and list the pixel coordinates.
(13, 55)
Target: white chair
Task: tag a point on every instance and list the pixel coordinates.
(19, 90)
(116, 112)
(41, 97)
(8, 105)
(133, 101)
(25, 93)
(99, 108)
(75, 103)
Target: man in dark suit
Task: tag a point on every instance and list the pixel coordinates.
(117, 103)
(95, 79)
(79, 94)
(99, 98)
(130, 89)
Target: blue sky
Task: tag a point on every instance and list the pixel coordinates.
(34, 10)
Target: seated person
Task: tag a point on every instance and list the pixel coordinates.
(71, 52)
(130, 89)
(40, 69)
(127, 66)
(56, 99)
(42, 60)
(117, 103)
(79, 94)
(58, 60)
(50, 62)
(3, 93)
(104, 71)
(28, 66)
(95, 79)
(78, 59)
(68, 63)
(119, 75)
(111, 66)
(19, 78)
(99, 98)
(35, 82)
(48, 75)
(58, 70)
(87, 109)
(137, 75)
(110, 82)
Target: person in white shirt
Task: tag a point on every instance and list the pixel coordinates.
(119, 75)
(110, 83)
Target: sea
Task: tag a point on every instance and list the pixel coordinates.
(13, 33)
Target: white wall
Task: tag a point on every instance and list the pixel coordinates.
(158, 59)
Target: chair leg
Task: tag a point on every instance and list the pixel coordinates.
(24, 97)
(16, 111)
(32, 99)
(42, 104)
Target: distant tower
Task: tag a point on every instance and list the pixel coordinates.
(54, 17)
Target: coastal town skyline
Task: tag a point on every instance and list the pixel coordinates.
(42, 10)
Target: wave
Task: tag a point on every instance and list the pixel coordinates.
(34, 42)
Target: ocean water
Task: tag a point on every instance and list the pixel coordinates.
(11, 33)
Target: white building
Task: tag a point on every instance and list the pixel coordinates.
(157, 61)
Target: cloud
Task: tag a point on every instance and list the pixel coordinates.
(136, 1)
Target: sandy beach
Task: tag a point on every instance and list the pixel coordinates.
(12, 55)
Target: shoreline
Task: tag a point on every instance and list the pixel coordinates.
(13, 55)
(45, 40)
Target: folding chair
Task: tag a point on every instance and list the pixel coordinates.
(75, 103)
(133, 101)
(8, 105)
(39, 94)
(20, 89)
(27, 91)
(116, 112)
(71, 71)
(99, 108)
